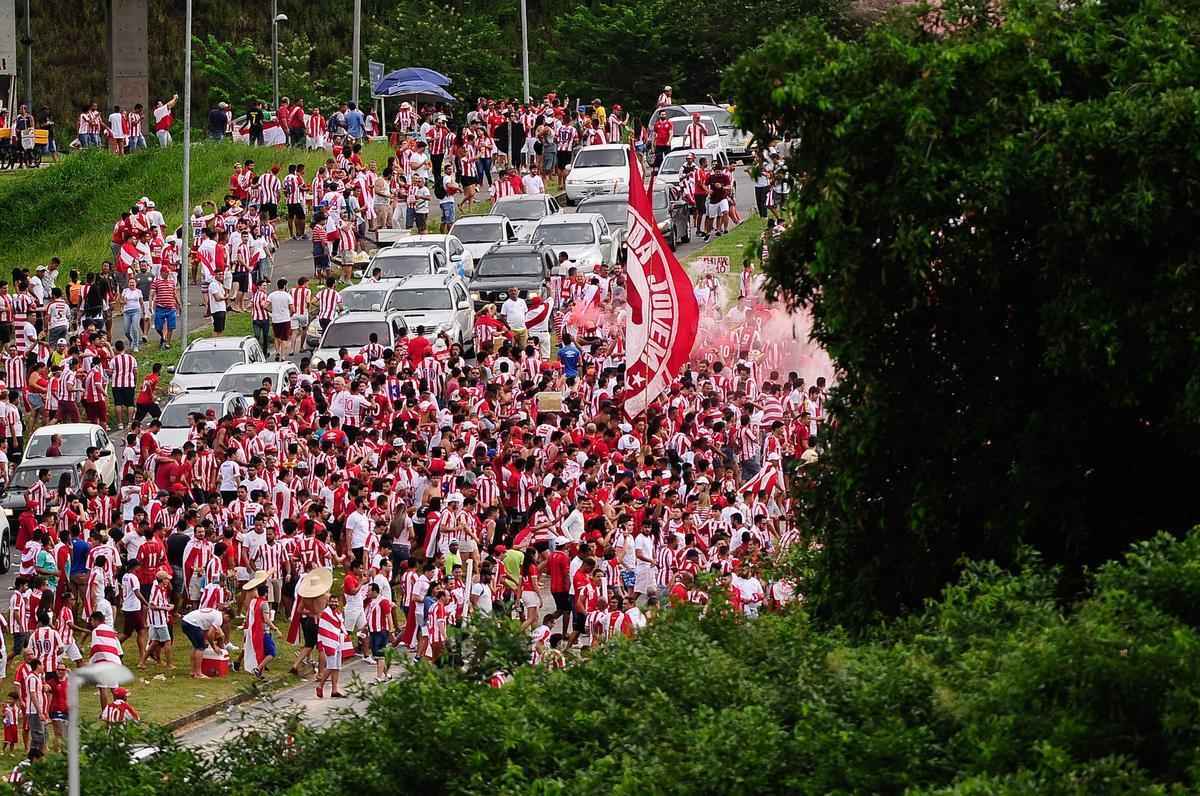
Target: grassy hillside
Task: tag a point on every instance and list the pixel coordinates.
(69, 210)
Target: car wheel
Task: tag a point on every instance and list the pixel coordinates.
(5, 551)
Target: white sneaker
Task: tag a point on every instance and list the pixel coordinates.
(369, 660)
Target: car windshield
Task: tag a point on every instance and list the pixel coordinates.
(72, 445)
(529, 265)
(355, 333)
(565, 234)
(176, 414)
(521, 209)
(24, 477)
(615, 213)
(599, 158)
(680, 125)
(217, 361)
(244, 383)
(434, 298)
(673, 163)
(476, 233)
(364, 300)
(395, 266)
(722, 117)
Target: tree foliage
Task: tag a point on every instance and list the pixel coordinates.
(997, 233)
(991, 689)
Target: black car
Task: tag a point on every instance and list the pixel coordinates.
(525, 266)
(671, 215)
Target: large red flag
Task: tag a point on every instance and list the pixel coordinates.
(663, 315)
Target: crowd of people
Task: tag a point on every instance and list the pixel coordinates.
(434, 486)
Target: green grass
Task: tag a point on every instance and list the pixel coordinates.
(68, 210)
(735, 245)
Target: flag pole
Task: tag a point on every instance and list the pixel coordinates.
(185, 254)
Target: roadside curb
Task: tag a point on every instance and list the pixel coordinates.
(269, 687)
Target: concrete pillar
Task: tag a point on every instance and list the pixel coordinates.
(128, 56)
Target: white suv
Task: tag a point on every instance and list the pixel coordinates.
(437, 303)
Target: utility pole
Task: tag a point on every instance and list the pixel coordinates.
(525, 51)
(357, 35)
(28, 42)
(185, 254)
(275, 51)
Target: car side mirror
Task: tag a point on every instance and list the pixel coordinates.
(605, 239)
(170, 368)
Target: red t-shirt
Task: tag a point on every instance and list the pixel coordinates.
(145, 396)
(662, 132)
(559, 567)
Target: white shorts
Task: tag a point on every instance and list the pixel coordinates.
(72, 653)
(334, 662)
(194, 589)
(355, 619)
(299, 321)
(644, 581)
(468, 546)
(531, 599)
(715, 209)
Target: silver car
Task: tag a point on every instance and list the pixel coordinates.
(437, 304)
(204, 361)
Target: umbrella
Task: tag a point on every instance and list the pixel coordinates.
(410, 74)
(419, 90)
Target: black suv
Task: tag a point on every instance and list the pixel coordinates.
(525, 266)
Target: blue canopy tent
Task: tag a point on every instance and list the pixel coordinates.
(414, 83)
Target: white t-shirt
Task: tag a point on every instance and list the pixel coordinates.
(216, 297)
(116, 123)
(359, 527)
(130, 589)
(228, 473)
(642, 543)
(514, 311)
(132, 297)
(484, 594)
(749, 589)
(204, 618)
(533, 183)
(385, 588)
(281, 306)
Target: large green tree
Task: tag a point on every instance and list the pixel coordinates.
(996, 226)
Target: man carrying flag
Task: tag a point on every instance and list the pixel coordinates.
(660, 328)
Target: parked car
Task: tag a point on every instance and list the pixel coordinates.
(248, 378)
(671, 169)
(601, 168)
(672, 215)
(526, 210)
(584, 237)
(176, 415)
(25, 473)
(352, 331)
(461, 261)
(679, 134)
(205, 359)
(76, 439)
(396, 263)
(735, 142)
(480, 233)
(437, 304)
(368, 296)
(525, 266)
(6, 543)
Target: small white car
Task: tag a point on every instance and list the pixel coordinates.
(437, 304)
(398, 262)
(735, 142)
(76, 439)
(352, 331)
(461, 261)
(601, 168)
(480, 233)
(248, 379)
(525, 210)
(584, 237)
(176, 415)
(205, 359)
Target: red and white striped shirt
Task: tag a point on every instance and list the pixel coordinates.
(269, 188)
(95, 387)
(106, 646)
(124, 370)
(440, 139)
(118, 712)
(301, 296)
(45, 642)
(293, 188)
(379, 615)
(162, 291)
(329, 301)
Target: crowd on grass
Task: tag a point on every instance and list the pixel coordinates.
(373, 502)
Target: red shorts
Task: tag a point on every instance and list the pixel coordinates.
(97, 412)
(282, 330)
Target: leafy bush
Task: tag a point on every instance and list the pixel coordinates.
(991, 689)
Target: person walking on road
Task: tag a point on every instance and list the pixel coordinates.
(279, 302)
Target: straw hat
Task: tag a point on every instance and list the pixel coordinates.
(316, 583)
(260, 577)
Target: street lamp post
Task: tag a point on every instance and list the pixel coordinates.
(186, 230)
(28, 42)
(104, 674)
(276, 18)
(525, 50)
(357, 33)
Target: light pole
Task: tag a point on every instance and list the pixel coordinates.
(357, 33)
(276, 18)
(186, 231)
(103, 674)
(28, 58)
(525, 50)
